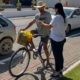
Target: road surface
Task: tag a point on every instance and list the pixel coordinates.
(71, 50)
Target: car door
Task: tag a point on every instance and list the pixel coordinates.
(1, 30)
(75, 19)
(3, 27)
(78, 18)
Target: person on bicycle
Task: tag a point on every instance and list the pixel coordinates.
(58, 38)
(44, 16)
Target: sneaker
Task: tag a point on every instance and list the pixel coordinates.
(57, 75)
(35, 49)
(35, 53)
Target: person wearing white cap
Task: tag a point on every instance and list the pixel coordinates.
(45, 17)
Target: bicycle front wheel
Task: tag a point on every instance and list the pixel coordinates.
(19, 62)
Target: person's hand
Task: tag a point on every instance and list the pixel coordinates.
(22, 29)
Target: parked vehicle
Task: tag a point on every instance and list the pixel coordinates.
(73, 18)
(7, 35)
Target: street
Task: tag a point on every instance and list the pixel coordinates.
(71, 50)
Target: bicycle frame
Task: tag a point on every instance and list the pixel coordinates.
(38, 53)
(27, 50)
(28, 47)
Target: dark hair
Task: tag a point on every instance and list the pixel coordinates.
(60, 10)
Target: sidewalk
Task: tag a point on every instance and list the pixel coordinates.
(12, 12)
(71, 55)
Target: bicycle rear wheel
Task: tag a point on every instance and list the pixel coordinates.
(19, 62)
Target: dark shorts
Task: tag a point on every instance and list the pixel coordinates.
(34, 31)
(43, 39)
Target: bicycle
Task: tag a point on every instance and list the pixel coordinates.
(20, 59)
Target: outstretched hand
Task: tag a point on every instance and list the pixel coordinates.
(22, 29)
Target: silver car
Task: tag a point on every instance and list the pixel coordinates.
(73, 18)
(7, 35)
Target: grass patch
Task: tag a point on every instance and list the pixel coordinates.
(74, 74)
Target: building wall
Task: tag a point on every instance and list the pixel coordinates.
(50, 3)
(73, 3)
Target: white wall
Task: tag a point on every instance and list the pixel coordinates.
(74, 3)
(50, 3)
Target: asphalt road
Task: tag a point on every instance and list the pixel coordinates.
(20, 23)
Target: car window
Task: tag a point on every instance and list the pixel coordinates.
(3, 23)
(67, 11)
(77, 12)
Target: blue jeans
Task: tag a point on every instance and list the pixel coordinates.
(57, 48)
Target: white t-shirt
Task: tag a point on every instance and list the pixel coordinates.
(58, 30)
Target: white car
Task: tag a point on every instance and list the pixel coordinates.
(7, 35)
(73, 17)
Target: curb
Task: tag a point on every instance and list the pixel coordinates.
(71, 67)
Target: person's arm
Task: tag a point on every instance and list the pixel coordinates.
(48, 26)
(30, 24)
(52, 23)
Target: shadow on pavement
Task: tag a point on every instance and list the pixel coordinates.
(4, 62)
(44, 72)
(74, 33)
(41, 73)
(30, 76)
(27, 76)
(65, 78)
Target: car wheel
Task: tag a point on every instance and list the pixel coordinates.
(68, 28)
(6, 46)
